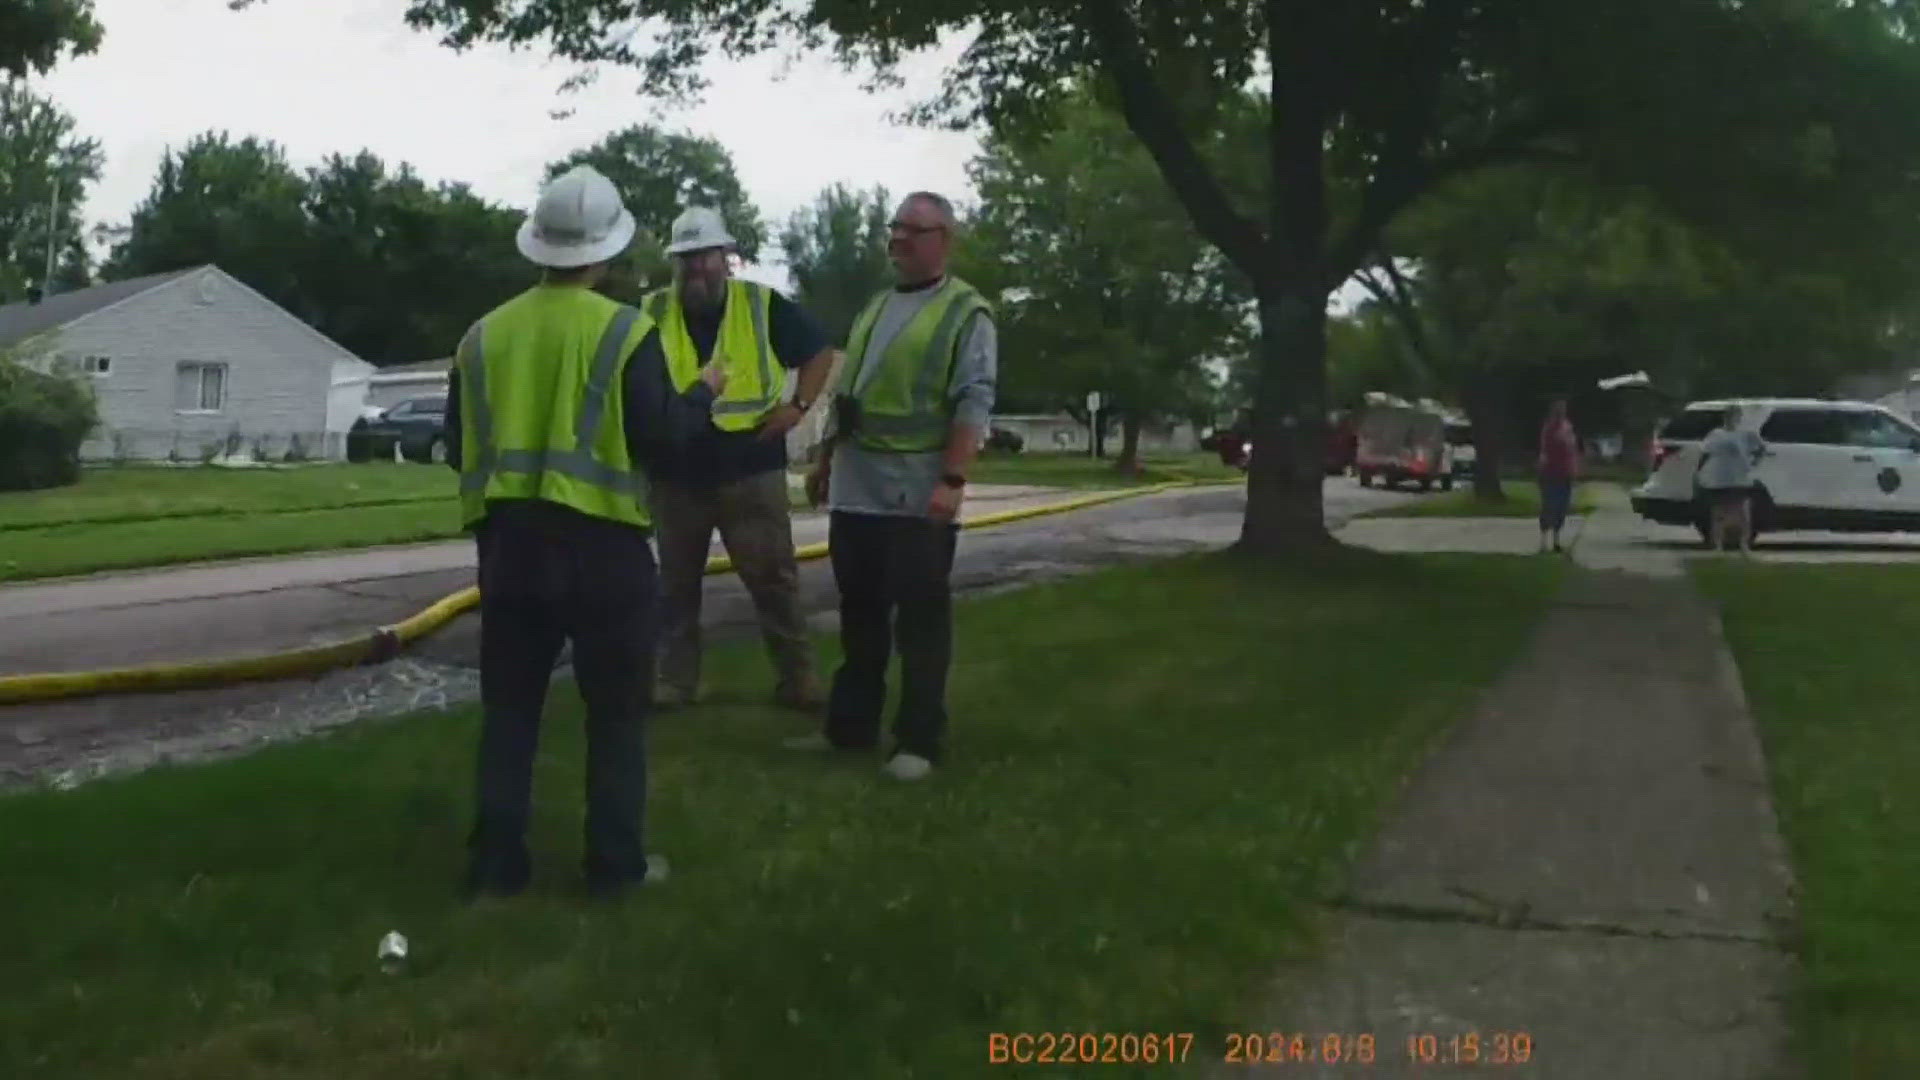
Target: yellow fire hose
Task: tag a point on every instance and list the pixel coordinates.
(385, 642)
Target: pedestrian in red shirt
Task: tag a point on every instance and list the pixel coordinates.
(1559, 462)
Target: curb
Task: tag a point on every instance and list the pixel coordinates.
(385, 642)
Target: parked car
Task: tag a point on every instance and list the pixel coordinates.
(1460, 438)
(1403, 444)
(1005, 441)
(1234, 446)
(1845, 466)
(417, 426)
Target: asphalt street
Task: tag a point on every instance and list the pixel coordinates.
(262, 605)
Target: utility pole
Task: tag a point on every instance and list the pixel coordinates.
(53, 232)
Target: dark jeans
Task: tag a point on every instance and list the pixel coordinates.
(894, 591)
(549, 575)
(1556, 497)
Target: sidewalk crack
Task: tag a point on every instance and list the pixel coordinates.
(1518, 917)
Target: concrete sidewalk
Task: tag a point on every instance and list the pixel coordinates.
(1589, 866)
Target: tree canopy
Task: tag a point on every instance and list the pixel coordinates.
(1763, 120)
(35, 34)
(44, 172)
(836, 250)
(1102, 285)
(374, 257)
(391, 266)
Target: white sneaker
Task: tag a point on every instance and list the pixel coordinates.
(812, 743)
(657, 870)
(907, 767)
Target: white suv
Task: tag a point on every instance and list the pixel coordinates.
(1846, 466)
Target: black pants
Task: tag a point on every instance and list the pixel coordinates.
(894, 590)
(548, 575)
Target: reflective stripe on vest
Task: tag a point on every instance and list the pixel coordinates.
(487, 460)
(745, 400)
(925, 422)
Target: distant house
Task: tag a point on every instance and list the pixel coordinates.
(1061, 433)
(189, 365)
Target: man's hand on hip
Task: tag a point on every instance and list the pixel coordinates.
(780, 420)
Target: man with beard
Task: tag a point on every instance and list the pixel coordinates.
(733, 475)
(910, 409)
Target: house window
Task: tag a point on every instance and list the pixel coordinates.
(96, 365)
(200, 388)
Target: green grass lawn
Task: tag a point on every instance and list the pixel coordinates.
(81, 548)
(1522, 501)
(1135, 816)
(1827, 657)
(1080, 471)
(123, 518)
(134, 493)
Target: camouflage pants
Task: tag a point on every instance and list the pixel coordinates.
(753, 520)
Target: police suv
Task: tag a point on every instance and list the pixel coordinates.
(1844, 466)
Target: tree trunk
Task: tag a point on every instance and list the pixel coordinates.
(1129, 462)
(1285, 512)
(1487, 412)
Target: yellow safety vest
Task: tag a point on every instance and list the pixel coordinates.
(541, 405)
(903, 404)
(754, 382)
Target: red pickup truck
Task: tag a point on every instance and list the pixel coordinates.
(1235, 445)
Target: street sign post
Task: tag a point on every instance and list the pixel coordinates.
(1093, 423)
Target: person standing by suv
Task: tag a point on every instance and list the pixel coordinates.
(1725, 477)
(1559, 461)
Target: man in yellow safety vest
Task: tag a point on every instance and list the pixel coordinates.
(556, 410)
(732, 477)
(910, 411)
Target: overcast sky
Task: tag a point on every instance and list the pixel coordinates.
(325, 76)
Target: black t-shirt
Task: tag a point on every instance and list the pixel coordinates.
(716, 456)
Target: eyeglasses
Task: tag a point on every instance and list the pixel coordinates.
(914, 230)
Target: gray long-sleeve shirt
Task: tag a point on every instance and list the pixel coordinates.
(901, 485)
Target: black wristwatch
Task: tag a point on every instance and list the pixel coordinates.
(953, 480)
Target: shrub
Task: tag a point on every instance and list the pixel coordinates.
(43, 421)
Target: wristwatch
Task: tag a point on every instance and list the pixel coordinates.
(953, 480)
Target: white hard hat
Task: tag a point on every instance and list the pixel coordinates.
(578, 221)
(698, 227)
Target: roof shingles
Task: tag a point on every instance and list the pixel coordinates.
(21, 321)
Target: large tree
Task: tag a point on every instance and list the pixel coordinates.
(395, 269)
(1103, 285)
(34, 34)
(1374, 103)
(373, 256)
(836, 250)
(218, 200)
(44, 172)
